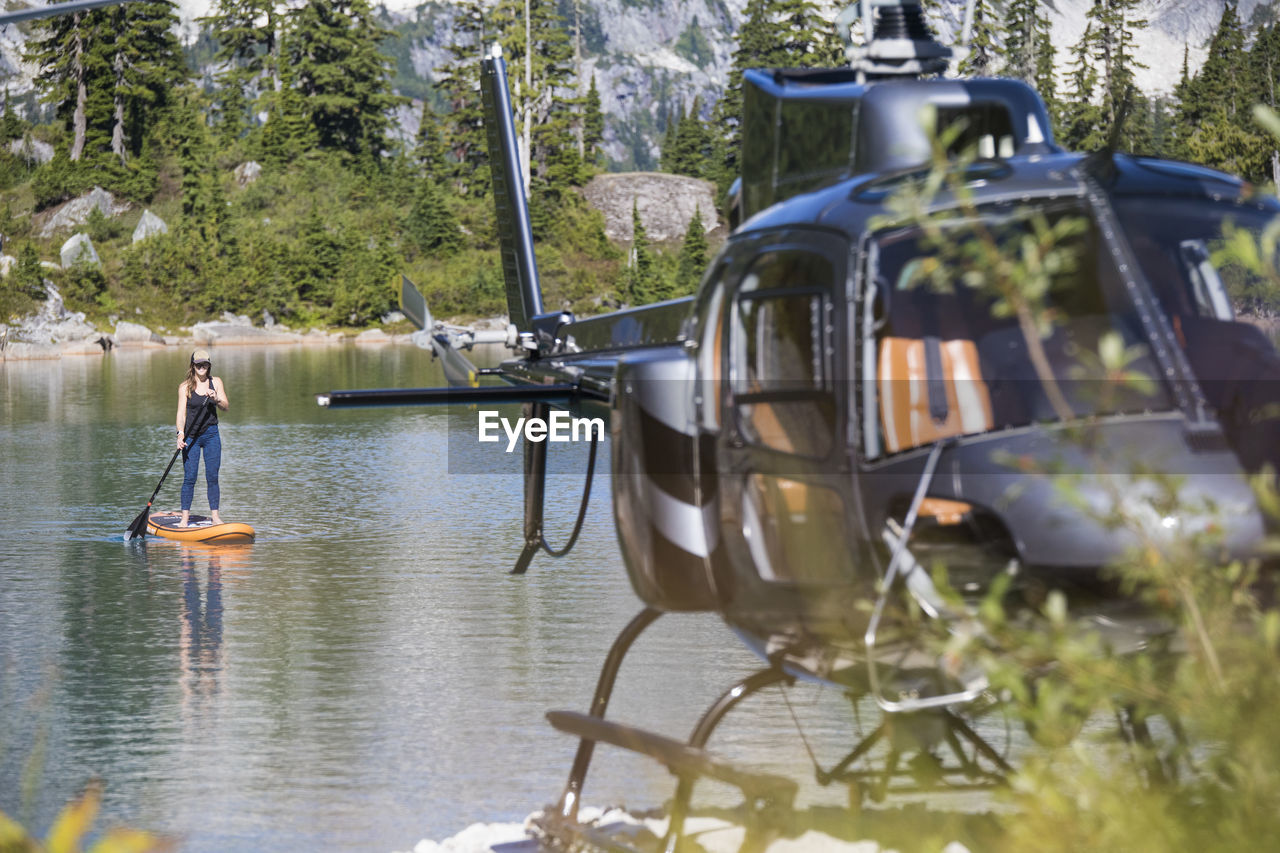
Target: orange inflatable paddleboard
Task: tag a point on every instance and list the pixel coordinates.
(199, 529)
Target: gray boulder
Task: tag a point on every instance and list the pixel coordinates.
(248, 172)
(135, 334)
(148, 226)
(666, 203)
(76, 211)
(79, 250)
(235, 333)
(31, 150)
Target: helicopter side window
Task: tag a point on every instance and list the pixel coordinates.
(779, 361)
(944, 359)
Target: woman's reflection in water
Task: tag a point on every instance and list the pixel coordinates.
(200, 639)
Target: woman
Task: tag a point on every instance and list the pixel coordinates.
(198, 392)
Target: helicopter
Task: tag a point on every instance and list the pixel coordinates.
(794, 445)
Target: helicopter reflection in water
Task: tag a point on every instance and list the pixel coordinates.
(837, 406)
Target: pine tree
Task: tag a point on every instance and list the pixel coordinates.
(539, 57)
(1021, 44)
(693, 256)
(288, 133)
(690, 145)
(109, 74)
(431, 224)
(756, 48)
(592, 125)
(429, 146)
(1081, 119)
(640, 283)
(985, 44)
(333, 48)
(1264, 66)
(1113, 24)
(1216, 106)
(1045, 80)
(459, 82)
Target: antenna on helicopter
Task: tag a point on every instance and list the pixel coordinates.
(899, 42)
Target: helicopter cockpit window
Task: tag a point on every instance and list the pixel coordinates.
(945, 358)
(1185, 249)
(987, 129)
(778, 354)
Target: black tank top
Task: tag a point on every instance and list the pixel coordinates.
(195, 403)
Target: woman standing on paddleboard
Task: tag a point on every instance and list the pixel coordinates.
(200, 390)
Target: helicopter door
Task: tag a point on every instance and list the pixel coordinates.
(786, 506)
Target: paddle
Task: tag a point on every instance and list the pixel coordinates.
(139, 526)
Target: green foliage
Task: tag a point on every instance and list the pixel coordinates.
(694, 46)
(73, 825)
(693, 257)
(431, 224)
(101, 228)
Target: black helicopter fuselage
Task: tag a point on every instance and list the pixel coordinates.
(756, 464)
(778, 436)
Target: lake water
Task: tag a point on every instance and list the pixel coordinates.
(367, 673)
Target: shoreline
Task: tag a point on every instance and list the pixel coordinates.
(210, 335)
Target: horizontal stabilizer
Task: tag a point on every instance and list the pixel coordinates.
(414, 304)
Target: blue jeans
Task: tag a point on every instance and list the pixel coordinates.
(210, 444)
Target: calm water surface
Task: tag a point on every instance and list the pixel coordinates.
(366, 674)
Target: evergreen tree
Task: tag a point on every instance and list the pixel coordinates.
(690, 151)
(640, 284)
(248, 36)
(333, 49)
(693, 256)
(109, 74)
(669, 141)
(459, 82)
(592, 125)
(429, 147)
(431, 224)
(1264, 67)
(1021, 43)
(1045, 74)
(756, 48)
(539, 55)
(288, 133)
(1110, 37)
(203, 202)
(1217, 105)
(1081, 119)
(984, 47)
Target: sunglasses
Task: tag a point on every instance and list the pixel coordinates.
(202, 364)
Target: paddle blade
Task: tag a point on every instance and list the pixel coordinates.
(138, 528)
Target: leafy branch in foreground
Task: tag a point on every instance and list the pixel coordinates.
(73, 825)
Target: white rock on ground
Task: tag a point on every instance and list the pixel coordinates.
(79, 250)
(135, 334)
(234, 333)
(148, 226)
(76, 211)
(373, 336)
(248, 172)
(31, 150)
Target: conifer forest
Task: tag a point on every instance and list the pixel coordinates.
(343, 205)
